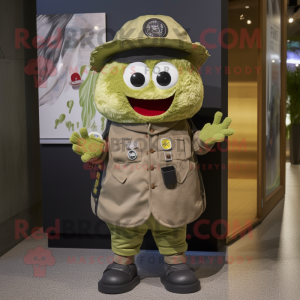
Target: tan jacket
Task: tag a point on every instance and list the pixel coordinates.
(133, 189)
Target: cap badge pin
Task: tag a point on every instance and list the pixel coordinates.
(155, 28)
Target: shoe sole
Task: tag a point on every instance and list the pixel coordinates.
(119, 289)
(181, 289)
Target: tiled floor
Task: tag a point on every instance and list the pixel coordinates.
(265, 265)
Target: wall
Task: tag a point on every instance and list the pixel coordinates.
(243, 109)
(20, 180)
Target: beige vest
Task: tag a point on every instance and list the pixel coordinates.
(133, 186)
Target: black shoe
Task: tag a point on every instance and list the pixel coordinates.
(118, 279)
(180, 279)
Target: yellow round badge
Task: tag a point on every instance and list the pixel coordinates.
(166, 144)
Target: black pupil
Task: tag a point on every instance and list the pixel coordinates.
(163, 78)
(137, 79)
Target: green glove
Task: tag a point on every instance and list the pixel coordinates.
(88, 147)
(216, 132)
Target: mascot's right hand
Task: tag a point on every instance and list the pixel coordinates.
(89, 147)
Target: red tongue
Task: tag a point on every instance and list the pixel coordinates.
(150, 108)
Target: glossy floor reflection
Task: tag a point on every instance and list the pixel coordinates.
(264, 265)
(274, 270)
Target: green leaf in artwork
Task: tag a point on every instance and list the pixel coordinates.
(86, 98)
(56, 123)
(82, 70)
(102, 123)
(69, 124)
(70, 105)
(62, 118)
(94, 126)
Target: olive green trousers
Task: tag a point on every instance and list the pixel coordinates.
(126, 242)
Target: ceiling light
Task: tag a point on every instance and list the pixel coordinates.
(96, 28)
(291, 20)
(249, 22)
(247, 7)
(273, 60)
(288, 41)
(242, 17)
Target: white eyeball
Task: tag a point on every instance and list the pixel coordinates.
(165, 75)
(136, 75)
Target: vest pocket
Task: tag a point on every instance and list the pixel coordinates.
(184, 169)
(118, 173)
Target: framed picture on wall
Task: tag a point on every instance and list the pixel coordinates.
(65, 42)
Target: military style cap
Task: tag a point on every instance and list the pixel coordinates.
(149, 37)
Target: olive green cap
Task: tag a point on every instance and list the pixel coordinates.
(155, 31)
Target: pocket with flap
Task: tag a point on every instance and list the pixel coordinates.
(184, 169)
(118, 173)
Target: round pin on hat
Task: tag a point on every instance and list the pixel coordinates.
(155, 27)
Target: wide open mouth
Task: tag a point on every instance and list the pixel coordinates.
(150, 108)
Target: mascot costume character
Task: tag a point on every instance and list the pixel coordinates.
(148, 88)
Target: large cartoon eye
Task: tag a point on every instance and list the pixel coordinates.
(136, 75)
(165, 75)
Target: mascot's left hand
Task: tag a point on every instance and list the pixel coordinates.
(217, 131)
(89, 147)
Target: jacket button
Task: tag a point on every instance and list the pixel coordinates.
(152, 186)
(151, 130)
(146, 135)
(152, 151)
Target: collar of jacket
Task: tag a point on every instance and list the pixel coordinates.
(145, 128)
